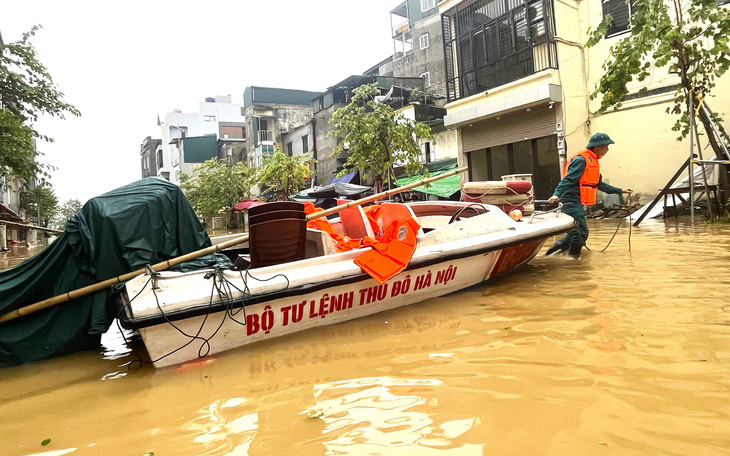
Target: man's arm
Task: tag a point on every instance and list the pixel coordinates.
(571, 179)
(606, 188)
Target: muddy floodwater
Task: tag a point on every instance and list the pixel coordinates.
(621, 353)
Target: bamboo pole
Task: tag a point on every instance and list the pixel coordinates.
(30, 227)
(59, 299)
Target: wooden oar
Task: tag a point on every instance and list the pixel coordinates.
(50, 302)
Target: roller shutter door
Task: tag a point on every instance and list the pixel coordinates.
(538, 122)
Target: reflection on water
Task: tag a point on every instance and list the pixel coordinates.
(388, 416)
(624, 352)
(222, 431)
(18, 253)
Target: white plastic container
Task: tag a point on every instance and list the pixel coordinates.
(517, 177)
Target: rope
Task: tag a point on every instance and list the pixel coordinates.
(528, 199)
(628, 203)
(558, 209)
(223, 288)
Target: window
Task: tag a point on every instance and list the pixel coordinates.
(426, 78)
(427, 5)
(209, 118)
(488, 43)
(289, 148)
(262, 152)
(428, 152)
(423, 41)
(620, 12)
(305, 144)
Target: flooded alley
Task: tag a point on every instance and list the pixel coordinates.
(626, 352)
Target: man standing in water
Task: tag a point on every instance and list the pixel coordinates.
(578, 188)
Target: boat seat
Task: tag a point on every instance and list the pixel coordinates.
(355, 223)
(319, 243)
(277, 233)
(394, 211)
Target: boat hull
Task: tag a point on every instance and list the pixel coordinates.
(182, 317)
(203, 335)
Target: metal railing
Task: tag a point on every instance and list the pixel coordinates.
(266, 135)
(488, 43)
(510, 68)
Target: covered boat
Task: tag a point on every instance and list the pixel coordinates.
(142, 223)
(301, 275)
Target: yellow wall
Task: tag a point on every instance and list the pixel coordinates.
(646, 153)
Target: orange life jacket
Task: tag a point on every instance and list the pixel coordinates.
(390, 251)
(588, 182)
(391, 254)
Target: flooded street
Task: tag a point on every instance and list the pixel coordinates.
(621, 353)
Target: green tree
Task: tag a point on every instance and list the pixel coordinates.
(284, 175)
(40, 202)
(27, 92)
(688, 37)
(215, 186)
(376, 137)
(67, 210)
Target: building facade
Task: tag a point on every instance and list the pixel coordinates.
(148, 156)
(216, 117)
(418, 46)
(394, 91)
(269, 114)
(518, 83)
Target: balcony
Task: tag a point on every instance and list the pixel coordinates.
(487, 45)
(505, 70)
(401, 28)
(266, 136)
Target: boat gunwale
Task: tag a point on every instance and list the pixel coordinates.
(121, 300)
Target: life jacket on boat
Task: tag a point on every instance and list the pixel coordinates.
(342, 243)
(392, 252)
(588, 182)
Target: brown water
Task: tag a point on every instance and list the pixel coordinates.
(619, 353)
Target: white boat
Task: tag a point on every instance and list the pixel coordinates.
(184, 316)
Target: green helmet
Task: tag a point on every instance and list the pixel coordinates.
(599, 139)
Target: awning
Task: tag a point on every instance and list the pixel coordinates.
(245, 205)
(339, 189)
(8, 214)
(444, 187)
(346, 178)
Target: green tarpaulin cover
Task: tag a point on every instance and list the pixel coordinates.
(146, 222)
(443, 187)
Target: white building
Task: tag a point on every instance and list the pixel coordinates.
(215, 116)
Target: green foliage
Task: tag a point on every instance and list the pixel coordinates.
(27, 92)
(215, 186)
(689, 38)
(40, 202)
(17, 151)
(375, 136)
(284, 175)
(67, 210)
